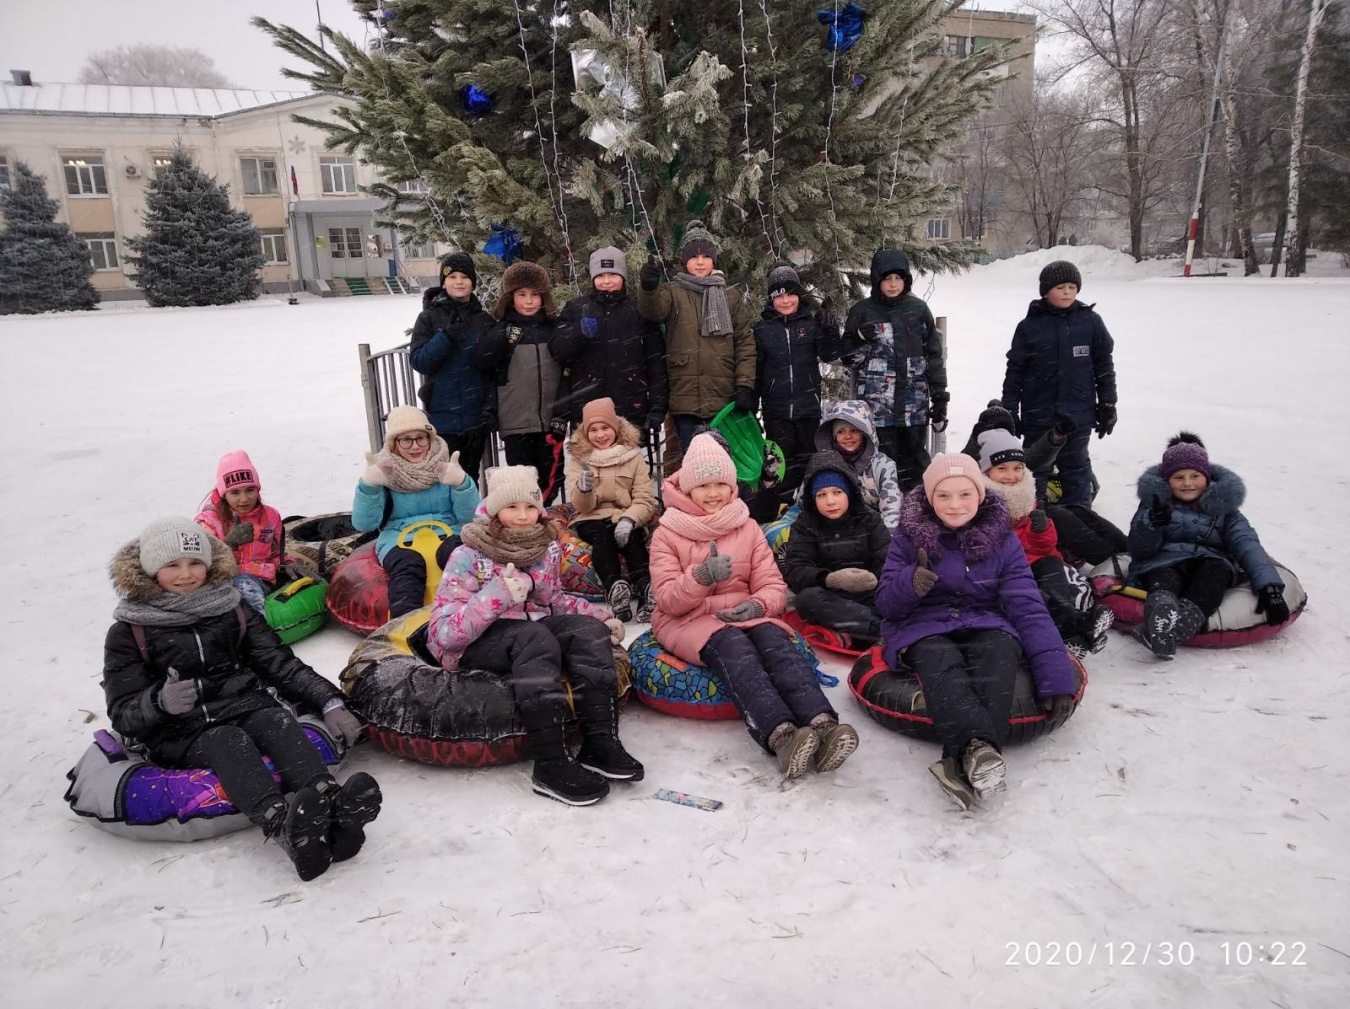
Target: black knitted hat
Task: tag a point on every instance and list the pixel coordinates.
(783, 279)
(459, 262)
(1061, 271)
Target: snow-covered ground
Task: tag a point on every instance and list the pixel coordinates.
(1202, 803)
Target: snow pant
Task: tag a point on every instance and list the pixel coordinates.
(908, 449)
(1075, 468)
(770, 681)
(470, 446)
(234, 753)
(253, 590)
(1084, 535)
(1202, 580)
(967, 679)
(1062, 598)
(543, 658)
(686, 426)
(542, 452)
(851, 613)
(605, 552)
(407, 570)
(797, 439)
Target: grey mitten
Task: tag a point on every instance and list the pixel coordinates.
(622, 530)
(240, 535)
(924, 576)
(715, 569)
(586, 481)
(751, 609)
(343, 724)
(178, 697)
(851, 580)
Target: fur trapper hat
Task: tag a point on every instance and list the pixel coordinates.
(524, 274)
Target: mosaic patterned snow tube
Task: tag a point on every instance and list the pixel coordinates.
(1233, 624)
(415, 709)
(575, 569)
(123, 793)
(777, 531)
(895, 699)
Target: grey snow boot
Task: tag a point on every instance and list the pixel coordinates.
(953, 782)
(985, 769)
(794, 747)
(836, 742)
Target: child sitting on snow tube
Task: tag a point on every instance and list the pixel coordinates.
(500, 607)
(1188, 543)
(835, 552)
(413, 479)
(960, 605)
(236, 514)
(717, 592)
(190, 674)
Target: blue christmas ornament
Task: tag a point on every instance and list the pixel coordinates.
(504, 244)
(475, 100)
(845, 24)
(388, 15)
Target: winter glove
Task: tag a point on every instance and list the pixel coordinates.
(746, 398)
(715, 569)
(1058, 709)
(177, 697)
(1062, 428)
(343, 724)
(1159, 513)
(586, 479)
(240, 535)
(1270, 601)
(616, 630)
(650, 275)
(373, 476)
(589, 327)
(1106, 419)
(623, 529)
(517, 585)
(1040, 521)
(452, 473)
(751, 609)
(851, 580)
(924, 576)
(557, 429)
(937, 413)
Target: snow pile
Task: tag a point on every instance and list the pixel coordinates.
(1091, 260)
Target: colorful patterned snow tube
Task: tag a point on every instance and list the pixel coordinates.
(415, 709)
(322, 542)
(297, 609)
(1234, 623)
(358, 596)
(777, 531)
(671, 685)
(895, 699)
(121, 792)
(575, 570)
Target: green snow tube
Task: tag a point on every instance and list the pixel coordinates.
(298, 609)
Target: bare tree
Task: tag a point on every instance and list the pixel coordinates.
(1293, 260)
(146, 64)
(1046, 150)
(978, 172)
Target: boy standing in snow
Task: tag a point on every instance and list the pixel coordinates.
(1060, 363)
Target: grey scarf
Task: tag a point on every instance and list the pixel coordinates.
(171, 610)
(715, 319)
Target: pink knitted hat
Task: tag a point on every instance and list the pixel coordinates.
(705, 461)
(236, 470)
(952, 464)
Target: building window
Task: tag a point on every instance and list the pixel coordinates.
(345, 242)
(102, 249)
(413, 249)
(412, 187)
(957, 45)
(159, 163)
(939, 228)
(273, 244)
(260, 176)
(85, 175)
(339, 175)
(4, 172)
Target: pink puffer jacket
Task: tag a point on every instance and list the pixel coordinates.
(686, 611)
(262, 556)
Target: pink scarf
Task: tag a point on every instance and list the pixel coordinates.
(689, 521)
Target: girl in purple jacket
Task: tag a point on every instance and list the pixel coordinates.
(960, 607)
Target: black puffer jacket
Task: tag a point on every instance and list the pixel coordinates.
(787, 363)
(238, 675)
(606, 348)
(1060, 362)
(444, 338)
(817, 545)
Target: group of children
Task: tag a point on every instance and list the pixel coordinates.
(963, 579)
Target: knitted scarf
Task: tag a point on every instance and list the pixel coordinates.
(172, 610)
(615, 455)
(703, 528)
(410, 477)
(715, 319)
(521, 547)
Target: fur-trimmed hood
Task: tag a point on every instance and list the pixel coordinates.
(530, 275)
(132, 583)
(978, 539)
(581, 448)
(1224, 495)
(1020, 498)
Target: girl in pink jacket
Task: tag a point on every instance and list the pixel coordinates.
(717, 592)
(236, 514)
(500, 607)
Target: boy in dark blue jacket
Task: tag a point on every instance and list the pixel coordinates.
(1060, 363)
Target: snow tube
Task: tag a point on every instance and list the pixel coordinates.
(575, 570)
(777, 531)
(756, 458)
(323, 542)
(297, 609)
(895, 699)
(671, 685)
(1234, 623)
(415, 709)
(819, 636)
(358, 596)
(121, 792)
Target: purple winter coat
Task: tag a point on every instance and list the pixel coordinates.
(984, 582)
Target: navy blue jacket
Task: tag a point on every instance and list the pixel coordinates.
(444, 339)
(1059, 362)
(607, 348)
(788, 352)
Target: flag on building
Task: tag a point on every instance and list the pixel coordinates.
(295, 183)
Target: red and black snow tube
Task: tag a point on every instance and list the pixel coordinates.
(358, 595)
(895, 699)
(819, 636)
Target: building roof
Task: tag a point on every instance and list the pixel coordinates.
(126, 100)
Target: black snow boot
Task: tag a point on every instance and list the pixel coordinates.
(300, 829)
(601, 750)
(1158, 630)
(1190, 621)
(556, 774)
(355, 804)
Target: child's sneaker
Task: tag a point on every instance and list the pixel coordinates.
(647, 605)
(953, 783)
(567, 781)
(355, 804)
(301, 831)
(621, 600)
(985, 769)
(794, 747)
(836, 742)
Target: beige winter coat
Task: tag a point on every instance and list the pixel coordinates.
(621, 490)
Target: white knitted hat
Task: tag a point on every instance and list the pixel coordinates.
(405, 420)
(166, 540)
(508, 485)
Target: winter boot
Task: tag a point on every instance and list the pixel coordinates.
(601, 750)
(794, 747)
(1102, 621)
(355, 804)
(1190, 621)
(647, 606)
(953, 782)
(1159, 626)
(556, 774)
(301, 831)
(620, 600)
(985, 769)
(836, 742)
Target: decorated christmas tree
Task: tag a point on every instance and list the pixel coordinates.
(43, 267)
(795, 130)
(197, 249)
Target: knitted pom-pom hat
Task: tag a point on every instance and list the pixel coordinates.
(705, 461)
(1185, 451)
(952, 464)
(698, 241)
